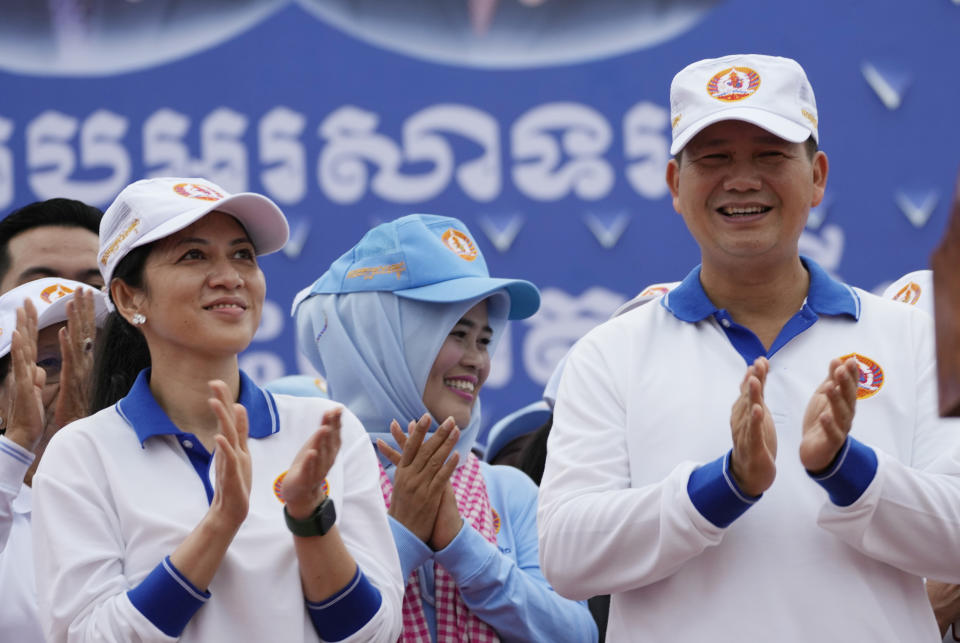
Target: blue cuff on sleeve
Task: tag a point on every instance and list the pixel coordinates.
(167, 598)
(413, 551)
(10, 448)
(14, 462)
(716, 495)
(347, 611)
(467, 554)
(851, 473)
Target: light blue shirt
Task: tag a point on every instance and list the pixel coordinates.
(501, 584)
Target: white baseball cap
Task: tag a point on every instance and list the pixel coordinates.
(152, 209)
(768, 91)
(50, 296)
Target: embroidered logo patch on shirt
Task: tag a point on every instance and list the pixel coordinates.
(278, 487)
(653, 291)
(909, 294)
(733, 84)
(871, 376)
(496, 520)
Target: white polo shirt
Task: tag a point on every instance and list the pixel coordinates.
(636, 499)
(118, 491)
(18, 600)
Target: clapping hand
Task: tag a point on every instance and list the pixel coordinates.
(753, 463)
(303, 484)
(829, 415)
(26, 415)
(422, 478)
(233, 468)
(76, 352)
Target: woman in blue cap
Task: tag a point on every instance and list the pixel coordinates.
(402, 327)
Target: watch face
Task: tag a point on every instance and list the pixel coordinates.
(326, 515)
(316, 524)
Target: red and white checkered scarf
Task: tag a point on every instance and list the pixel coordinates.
(455, 622)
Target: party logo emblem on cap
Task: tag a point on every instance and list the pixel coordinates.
(734, 83)
(871, 375)
(460, 244)
(909, 294)
(52, 293)
(195, 191)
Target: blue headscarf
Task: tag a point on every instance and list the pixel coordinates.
(376, 349)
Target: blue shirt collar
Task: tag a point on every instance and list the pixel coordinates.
(826, 296)
(146, 418)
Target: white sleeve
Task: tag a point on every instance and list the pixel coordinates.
(909, 515)
(907, 518)
(14, 462)
(365, 530)
(81, 587)
(598, 535)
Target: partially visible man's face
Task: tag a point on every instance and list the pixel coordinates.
(52, 251)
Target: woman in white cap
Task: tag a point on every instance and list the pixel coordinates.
(168, 514)
(47, 330)
(403, 327)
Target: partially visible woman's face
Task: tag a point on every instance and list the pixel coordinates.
(460, 368)
(204, 290)
(48, 358)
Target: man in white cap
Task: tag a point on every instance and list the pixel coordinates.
(659, 493)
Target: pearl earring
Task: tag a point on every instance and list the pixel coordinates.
(138, 319)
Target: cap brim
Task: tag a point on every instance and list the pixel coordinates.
(773, 123)
(520, 422)
(260, 217)
(524, 296)
(57, 311)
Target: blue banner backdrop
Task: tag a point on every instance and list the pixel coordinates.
(543, 124)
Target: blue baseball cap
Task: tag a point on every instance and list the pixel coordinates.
(425, 257)
(520, 422)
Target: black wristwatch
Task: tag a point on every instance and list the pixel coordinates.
(316, 524)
